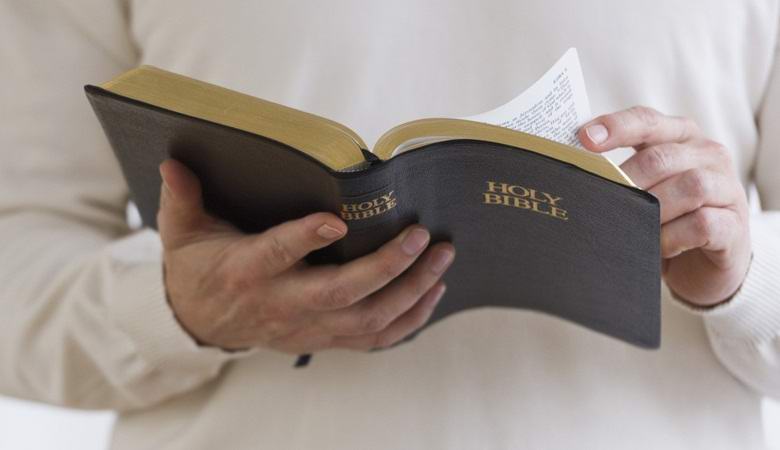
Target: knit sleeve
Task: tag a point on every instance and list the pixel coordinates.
(745, 331)
(84, 320)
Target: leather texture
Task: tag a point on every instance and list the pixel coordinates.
(595, 261)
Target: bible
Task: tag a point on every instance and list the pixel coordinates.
(537, 224)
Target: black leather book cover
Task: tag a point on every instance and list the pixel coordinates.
(530, 231)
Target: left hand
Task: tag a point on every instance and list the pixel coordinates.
(705, 241)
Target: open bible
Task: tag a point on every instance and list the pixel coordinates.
(537, 224)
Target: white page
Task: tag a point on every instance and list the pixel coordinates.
(553, 108)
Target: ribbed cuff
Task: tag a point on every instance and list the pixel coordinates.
(753, 313)
(140, 308)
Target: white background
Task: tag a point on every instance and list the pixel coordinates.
(28, 426)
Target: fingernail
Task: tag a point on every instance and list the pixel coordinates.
(439, 294)
(415, 241)
(166, 188)
(597, 133)
(328, 232)
(441, 260)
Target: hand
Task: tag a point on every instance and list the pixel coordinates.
(705, 242)
(235, 291)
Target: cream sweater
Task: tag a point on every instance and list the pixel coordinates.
(84, 322)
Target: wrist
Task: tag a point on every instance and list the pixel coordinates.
(712, 304)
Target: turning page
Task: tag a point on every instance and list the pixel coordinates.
(553, 108)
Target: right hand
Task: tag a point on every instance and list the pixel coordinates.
(236, 291)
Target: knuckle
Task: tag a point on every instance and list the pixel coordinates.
(720, 151)
(234, 281)
(695, 184)
(689, 127)
(334, 297)
(644, 120)
(276, 311)
(277, 252)
(373, 322)
(656, 160)
(704, 223)
(645, 115)
(389, 268)
(421, 283)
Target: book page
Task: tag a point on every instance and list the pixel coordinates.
(553, 108)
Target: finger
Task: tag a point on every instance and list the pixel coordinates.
(654, 164)
(385, 306)
(279, 248)
(181, 210)
(639, 126)
(708, 228)
(337, 287)
(691, 190)
(410, 321)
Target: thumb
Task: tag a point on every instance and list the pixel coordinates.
(282, 246)
(181, 210)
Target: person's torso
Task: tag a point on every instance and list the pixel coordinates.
(489, 378)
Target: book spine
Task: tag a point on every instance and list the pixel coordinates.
(368, 204)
